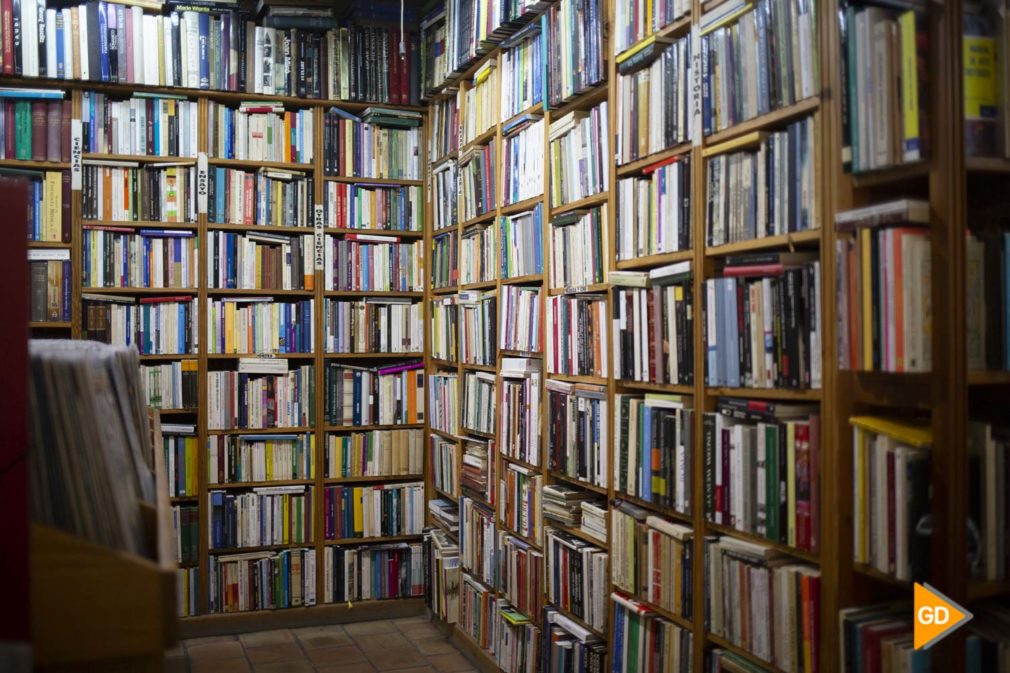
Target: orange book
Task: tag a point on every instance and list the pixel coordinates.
(411, 415)
(287, 136)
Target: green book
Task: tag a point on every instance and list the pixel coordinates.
(772, 497)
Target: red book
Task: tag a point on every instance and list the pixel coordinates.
(802, 486)
(753, 270)
(813, 442)
(651, 306)
(65, 216)
(54, 128)
(39, 116)
(165, 300)
(8, 35)
(65, 118)
(248, 199)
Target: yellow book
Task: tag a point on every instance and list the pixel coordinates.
(358, 509)
(286, 514)
(861, 528)
(229, 327)
(867, 298)
(269, 457)
(914, 435)
(635, 48)
(791, 483)
(190, 465)
(909, 87)
(51, 226)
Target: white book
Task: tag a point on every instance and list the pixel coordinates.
(50, 38)
(83, 44)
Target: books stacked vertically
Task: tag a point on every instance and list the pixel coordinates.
(235, 459)
(521, 66)
(444, 125)
(260, 261)
(375, 325)
(264, 516)
(180, 445)
(260, 325)
(984, 31)
(885, 78)
(763, 322)
(519, 410)
(478, 181)
(885, 303)
(148, 125)
(155, 325)
(148, 258)
(376, 453)
(579, 150)
(435, 56)
(579, 326)
(35, 124)
(765, 190)
(987, 647)
(762, 470)
(262, 580)
(520, 580)
(653, 456)
(988, 444)
(390, 395)
(579, 248)
(369, 206)
(883, 633)
(477, 550)
(654, 325)
(187, 592)
(479, 403)
(523, 158)
(363, 262)
(756, 58)
(444, 475)
(443, 581)
(569, 646)
(578, 431)
(478, 255)
(892, 463)
(764, 604)
(50, 275)
(124, 191)
(355, 148)
(261, 394)
(260, 131)
(635, 20)
(479, 102)
(477, 609)
(477, 476)
(521, 243)
(478, 328)
(577, 578)
(445, 328)
(373, 511)
(172, 385)
(186, 526)
(519, 327)
(520, 501)
(269, 196)
(650, 642)
(518, 640)
(48, 217)
(654, 97)
(987, 300)
(444, 260)
(652, 558)
(445, 206)
(575, 36)
(443, 401)
(374, 572)
(446, 514)
(654, 211)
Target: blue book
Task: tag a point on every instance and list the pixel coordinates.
(103, 43)
(204, 40)
(706, 88)
(220, 186)
(720, 329)
(230, 243)
(60, 56)
(732, 335)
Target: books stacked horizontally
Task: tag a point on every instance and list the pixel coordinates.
(477, 476)
(446, 514)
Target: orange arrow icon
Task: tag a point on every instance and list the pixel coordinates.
(936, 616)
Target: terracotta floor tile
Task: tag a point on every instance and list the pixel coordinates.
(343, 654)
(259, 638)
(354, 667)
(209, 639)
(372, 642)
(452, 662)
(284, 667)
(176, 665)
(220, 666)
(314, 641)
(434, 645)
(219, 650)
(419, 630)
(263, 654)
(366, 628)
(391, 658)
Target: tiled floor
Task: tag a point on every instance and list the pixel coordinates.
(409, 645)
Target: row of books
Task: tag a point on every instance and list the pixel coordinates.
(635, 20)
(372, 572)
(171, 385)
(645, 641)
(577, 577)
(520, 242)
(444, 262)
(390, 395)
(653, 325)
(35, 127)
(579, 248)
(478, 327)
(523, 159)
(762, 470)
(987, 301)
(148, 258)
(49, 204)
(149, 125)
(479, 402)
(187, 592)
(180, 445)
(478, 473)
(572, 507)
(569, 646)
(443, 402)
(372, 263)
(478, 181)
(445, 513)
(373, 511)
(374, 453)
(882, 634)
(270, 197)
(260, 132)
(155, 325)
(444, 183)
(444, 340)
(122, 191)
(579, 145)
(264, 516)
(763, 322)
(653, 455)
(369, 206)
(477, 102)
(260, 325)
(654, 210)
(443, 125)
(211, 48)
(354, 147)
(50, 274)
(445, 473)
(186, 530)
(578, 325)
(262, 580)
(519, 409)
(987, 504)
(521, 580)
(477, 543)
(519, 320)
(374, 325)
(478, 256)
(236, 459)
(522, 70)
(519, 501)
(575, 48)
(254, 398)
(578, 431)
(442, 570)
(260, 260)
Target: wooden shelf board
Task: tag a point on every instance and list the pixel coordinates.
(479, 140)
(511, 352)
(867, 570)
(987, 164)
(49, 245)
(522, 206)
(503, 527)
(373, 293)
(155, 357)
(260, 484)
(263, 431)
(537, 109)
(739, 651)
(771, 120)
(523, 463)
(524, 280)
(372, 540)
(280, 356)
(258, 292)
(638, 165)
(365, 428)
(888, 389)
(443, 291)
(575, 481)
(265, 228)
(589, 98)
(807, 395)
(667, 388)
(574, 378)
(141, 224)
(649, 261)
(359, 180)
(574, 532)
(178, 412)
(682, 622)
(655, 507)
(446, 435)
(802, 238)
(445, 230)
(988, 377)
(587, 202)
(982, 589)
(373, 356)
(478, 219)
(49, 324)
(674, 29)
(801, 554)
(250, 163)
(478, 433)
(602, 634)
(336, 481)
(141, 290)
(137, 158)
(584, 289)
(181, 499)
(31, 165)
(445, 364)
(479, 368)
(884, 177)
(221, 551)
(445, 494)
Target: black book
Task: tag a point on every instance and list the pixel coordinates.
(94, 41)
(16, 29)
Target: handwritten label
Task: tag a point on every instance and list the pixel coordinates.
(76, 150)
(318, 223)
(696, 86)
(202, 183)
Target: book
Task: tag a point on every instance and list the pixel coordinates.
(519, 323)
(578, 326)
(373, 510)
(577, 578)
(578, 431)
(636, 626)
(187, 582)
(145, 258)
(520, 239)
(179, 443)
(987, 502)
(519, 410)
(270, 197)
(444, 125)
(373, 572)
(635, 20)
(444, 457)
(236, 459)
(864, 632)
(442, 585)
(132, 193)
(654, 101)
(579, 248)
(654, 211)
(240, 400)
(374, 325)
(260, 517)
(364, 262)
(563, 504)
(478, 102)
(366, 395)
(479, 402)
(443, 402)
(478, 327)
(260, 261)
(574, 36)
(444, 335)
(371, 206)
(185, 526)
(138, 125)
(292, 569)
(50, 276)
(523, 159)
(355, 148)
(260, 326)
(445, 260)
(172, 385)
(652, 448)
(579, 146)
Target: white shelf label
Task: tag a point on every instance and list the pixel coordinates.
(202, 183)
(76, 150)
(318, 223)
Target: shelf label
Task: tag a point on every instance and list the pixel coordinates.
(202, 183)
(696, 87)
(317, 223)
(76, 149)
